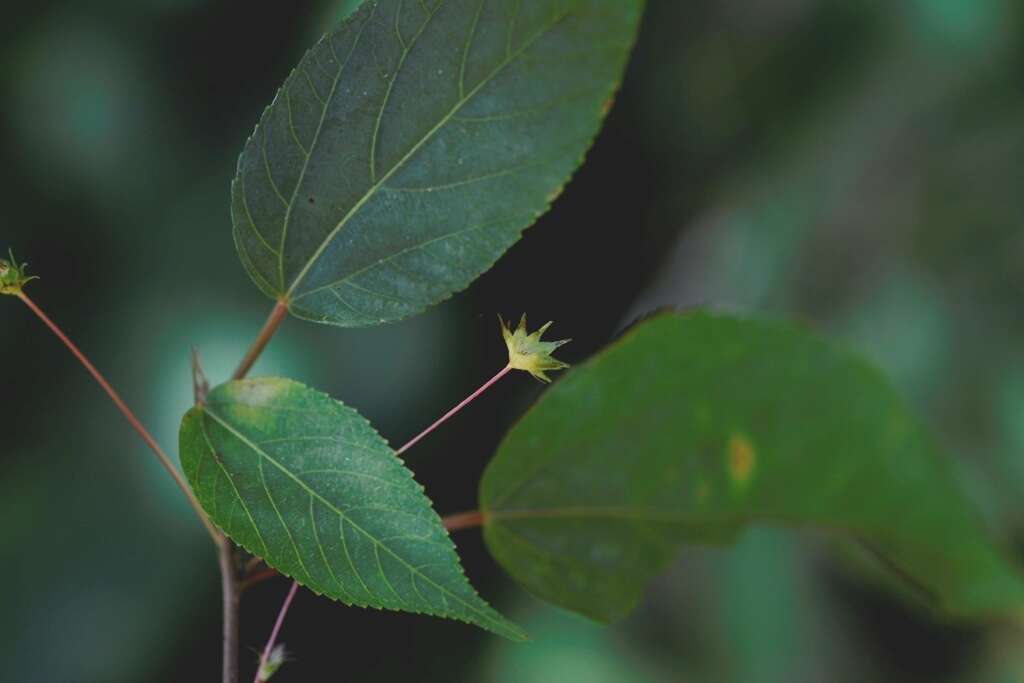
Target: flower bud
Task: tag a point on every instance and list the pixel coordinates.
(527, 352)
(13, 275)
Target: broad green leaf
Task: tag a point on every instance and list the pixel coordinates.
(305, 482)
(693, 426)
(412, 146)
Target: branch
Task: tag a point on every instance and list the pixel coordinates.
(128, 414)
(231, 600)
(259, 577)
(464, 520)
(229, 579)
(226, 549)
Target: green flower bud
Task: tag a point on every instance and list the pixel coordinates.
(13, 276)
(527, 352)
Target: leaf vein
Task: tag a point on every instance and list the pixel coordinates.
(406, 49)
(415, 247)
(387, 581)
(291, 121)
(414, 149)
(266, 165)
(319, 130)
(323, 555)
(469, 44)
(284, 525)
(245, 507)
(482, 613)
(348, 556)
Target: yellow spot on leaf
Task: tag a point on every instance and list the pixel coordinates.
(703, 492)
(742, 459)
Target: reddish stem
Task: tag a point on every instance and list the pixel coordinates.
(258, 577)
(277, 629)
(491, 382)
(231, 586)
(464, 520)
(277, 316)
(252, 564)
(128, 414)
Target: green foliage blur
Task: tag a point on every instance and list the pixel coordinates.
(855, 164)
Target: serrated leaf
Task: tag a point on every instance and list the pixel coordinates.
(694, 426)
(412, 146)
(307, 484)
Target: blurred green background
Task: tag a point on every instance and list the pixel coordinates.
(856, 164)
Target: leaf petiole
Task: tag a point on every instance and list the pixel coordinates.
(274, 321)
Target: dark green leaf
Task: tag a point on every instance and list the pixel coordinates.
(304, 482)
(412, 146)
(694, 426)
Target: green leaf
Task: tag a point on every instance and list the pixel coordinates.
(693, 426)
(413, 145)
(305, 482)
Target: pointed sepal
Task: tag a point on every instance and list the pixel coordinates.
(527, 352)
(13, 276)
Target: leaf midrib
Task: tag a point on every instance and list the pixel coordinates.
(509, 59)
(248, 513)
(313, 494)
(319, 129)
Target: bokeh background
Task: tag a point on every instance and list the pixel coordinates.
(857, 164)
